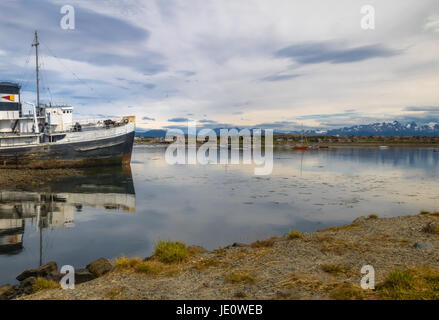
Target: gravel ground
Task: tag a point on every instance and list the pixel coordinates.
(282, 269)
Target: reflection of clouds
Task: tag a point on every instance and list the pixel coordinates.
(329, 189)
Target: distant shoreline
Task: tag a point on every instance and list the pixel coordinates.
(378, 143)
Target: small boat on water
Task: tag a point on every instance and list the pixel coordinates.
(302, 146)
(47, 136)
(384, 147)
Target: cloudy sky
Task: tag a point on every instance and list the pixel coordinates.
(273, 64)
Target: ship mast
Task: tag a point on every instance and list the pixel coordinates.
(36, 44)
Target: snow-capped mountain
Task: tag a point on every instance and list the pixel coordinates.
(394, 128)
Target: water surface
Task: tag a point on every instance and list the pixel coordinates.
(112, 212)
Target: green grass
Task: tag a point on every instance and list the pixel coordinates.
(420, 283)
(41, 284)
(171, 251)
(239, 277)
(149, 267)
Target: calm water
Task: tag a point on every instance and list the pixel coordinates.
(114, 211)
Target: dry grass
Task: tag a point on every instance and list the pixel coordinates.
(336, 269)
(425, 212)
(372, 217)
(345, 291)
(44, 284)
(206, 263)
(333, 245)
(114, 292)
(124, 263)
(240, 277)
(193, 250)
(349, 227)
(151, 267)
(264, 243)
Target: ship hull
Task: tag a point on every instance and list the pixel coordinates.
(114, 150)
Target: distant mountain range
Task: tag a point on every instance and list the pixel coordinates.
(394, 128)
(387, 129)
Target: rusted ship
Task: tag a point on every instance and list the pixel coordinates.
(47, 137)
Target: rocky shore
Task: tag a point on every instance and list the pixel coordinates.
(322, 265)
(26, 179)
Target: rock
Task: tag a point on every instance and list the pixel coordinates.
(83, 275)
(237, 245)
(283, 294)
(27, 285)
(432, 227)
(100, 267)
(55, 276)
(42, 271)
(7, 292)
(423, 246)
(360, 220)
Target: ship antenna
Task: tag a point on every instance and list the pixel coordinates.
(36, 44)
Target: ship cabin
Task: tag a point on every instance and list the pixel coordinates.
(45, 123)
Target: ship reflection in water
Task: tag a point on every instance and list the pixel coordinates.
(25, 215)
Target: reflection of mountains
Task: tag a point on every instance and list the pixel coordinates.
(54, 207)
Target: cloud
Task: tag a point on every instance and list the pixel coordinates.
(332, 52)
(326, 116)
(163, 58)
(425, 109)
(280, 77)
(207, 121)
(178, 120)
(148, 119)
(432, 24)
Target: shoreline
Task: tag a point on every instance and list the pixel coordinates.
(324, 264)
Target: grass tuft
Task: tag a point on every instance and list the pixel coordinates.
(124, 263)
(372, 217)
(41, 284)
(263, 243)
(237, 277)
(346, 291)
(294, 235)
(171, 251)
